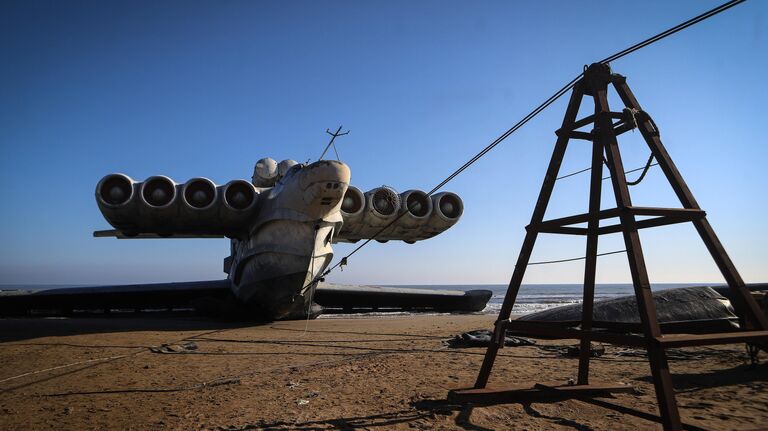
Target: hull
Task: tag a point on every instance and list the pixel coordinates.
(361, 299)
(278, 298)
(273, 273)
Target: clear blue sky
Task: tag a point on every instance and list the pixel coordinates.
(206, 88)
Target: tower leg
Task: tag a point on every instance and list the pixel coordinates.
(662, 379)
(746, 306)
(590, 265)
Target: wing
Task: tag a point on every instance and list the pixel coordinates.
(209, 295)
(65, 301)
(410, 216)
(114, 233)
(356, 299)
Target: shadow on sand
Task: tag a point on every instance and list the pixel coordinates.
(738, 375)
(421, 411)
(17, 329)
(427, 411)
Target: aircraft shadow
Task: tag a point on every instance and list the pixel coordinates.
(18, 329)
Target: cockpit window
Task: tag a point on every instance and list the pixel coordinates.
(291, 171)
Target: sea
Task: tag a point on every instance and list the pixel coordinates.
(536, 297)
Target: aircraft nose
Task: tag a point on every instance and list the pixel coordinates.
(331, 173)
(324, 183)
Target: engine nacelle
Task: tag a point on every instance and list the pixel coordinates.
(353, 204)
(352, 212)
(199, 202)
(240, 203)
(418, 216)
(423, 217)
(447, 210)
(117, 198)
(415, 211)
(365, 214)
(417, 207)
(381, 206)
(160, 206)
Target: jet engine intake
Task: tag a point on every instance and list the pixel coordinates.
(417, 215)
(382, 204)
(158, 210)
(381, 207)
(417, 207)
(199, 193)
(239, 195)
(352, 212)
(158, 191)
(160, 206)
(199, 197)
(447, 211)
(353, 204)
(414, 213)
(239, 202)
(375, 209)
(117, 201)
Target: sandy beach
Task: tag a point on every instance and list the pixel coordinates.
(365, 373)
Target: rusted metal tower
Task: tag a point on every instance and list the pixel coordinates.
(606, 126)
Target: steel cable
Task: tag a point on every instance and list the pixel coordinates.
(543, 106)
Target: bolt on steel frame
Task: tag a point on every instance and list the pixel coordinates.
(605, 149)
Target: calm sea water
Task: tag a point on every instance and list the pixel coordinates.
(537, 297)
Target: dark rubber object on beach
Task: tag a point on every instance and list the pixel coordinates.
(482, 338)
(701, 303)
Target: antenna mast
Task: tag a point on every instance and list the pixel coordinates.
(334, 135)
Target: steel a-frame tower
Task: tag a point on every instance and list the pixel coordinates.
(606, 126)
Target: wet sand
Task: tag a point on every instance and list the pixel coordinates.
(371, 373)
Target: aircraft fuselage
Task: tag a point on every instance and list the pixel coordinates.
(281, 224)
(288, 243)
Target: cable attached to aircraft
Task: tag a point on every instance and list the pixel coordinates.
(544, 262)
(536, 111)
